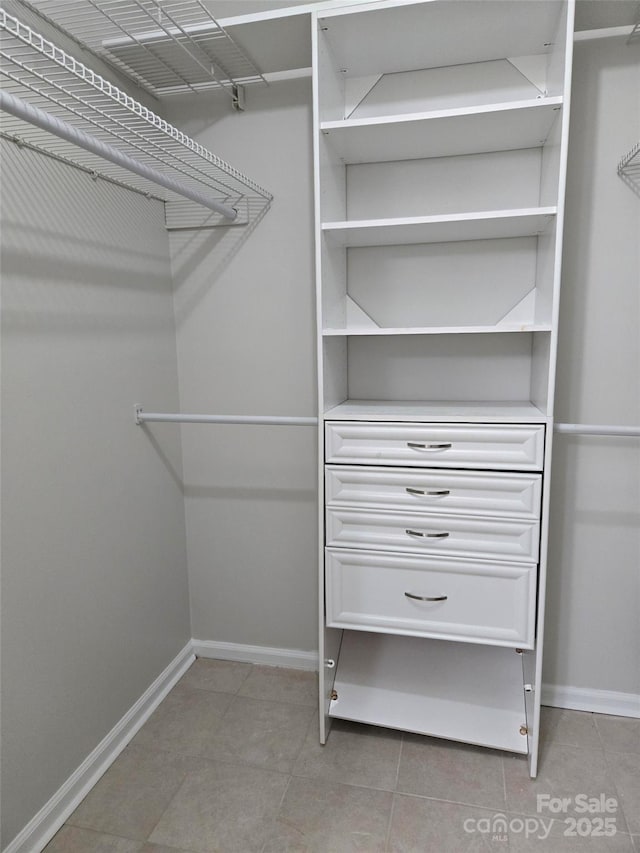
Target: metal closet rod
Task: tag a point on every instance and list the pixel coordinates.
(597, 429)
(142, 417)
(45, 121)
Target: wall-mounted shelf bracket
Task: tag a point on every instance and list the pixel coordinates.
(238, 100)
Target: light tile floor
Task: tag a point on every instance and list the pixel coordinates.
(230, 762)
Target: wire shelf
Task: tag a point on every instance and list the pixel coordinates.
(42, 76)
(634, 35)
(629, 168)
(166, 46)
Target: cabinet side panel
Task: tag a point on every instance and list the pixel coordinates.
(550, 166)
(541, 342)
(329, 191)
(545, 276)
(563, 146)
(333, 197)
(557, 58)
(330, 78)
(335, 387)
(333, 286)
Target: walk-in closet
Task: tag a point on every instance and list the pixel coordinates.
(320, 424)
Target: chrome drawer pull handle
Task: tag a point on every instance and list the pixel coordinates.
(426, 535)
(426, 597)
(414, 445)
(438, 493)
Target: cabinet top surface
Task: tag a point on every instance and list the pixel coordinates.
(439, 411)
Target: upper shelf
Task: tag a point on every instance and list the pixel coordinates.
(72, 105)
(483, 225)
(491, 127)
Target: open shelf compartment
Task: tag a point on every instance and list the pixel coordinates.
(432, 687)
(416, 35)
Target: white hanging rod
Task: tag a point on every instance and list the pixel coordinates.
(597, 429)
(27, 112)
(142, 417)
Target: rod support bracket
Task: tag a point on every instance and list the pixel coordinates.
(137, 414)
(238, 99)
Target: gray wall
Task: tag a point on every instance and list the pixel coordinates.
(246, 331)
(94, 588)
(593, 629)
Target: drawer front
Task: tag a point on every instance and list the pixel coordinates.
(431, 533)
(426, 490)
(516, 447)
(474, 601)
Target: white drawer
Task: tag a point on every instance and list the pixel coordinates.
(475, 601)
(441, 490)
(516, 446)
(457, 535)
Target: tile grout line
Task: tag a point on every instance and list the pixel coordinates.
(187, 773)
(599, 733)
(167, 807)
(619, 798)
(504, 782)
(387, 840)
(395, 784)
(276, 814)
(98, 832)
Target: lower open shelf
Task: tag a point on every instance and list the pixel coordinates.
(456, 691)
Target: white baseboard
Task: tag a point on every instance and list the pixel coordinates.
(256, 654)
(597, 701)
(41, 829)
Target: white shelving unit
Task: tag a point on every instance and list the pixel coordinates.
(440, 154)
